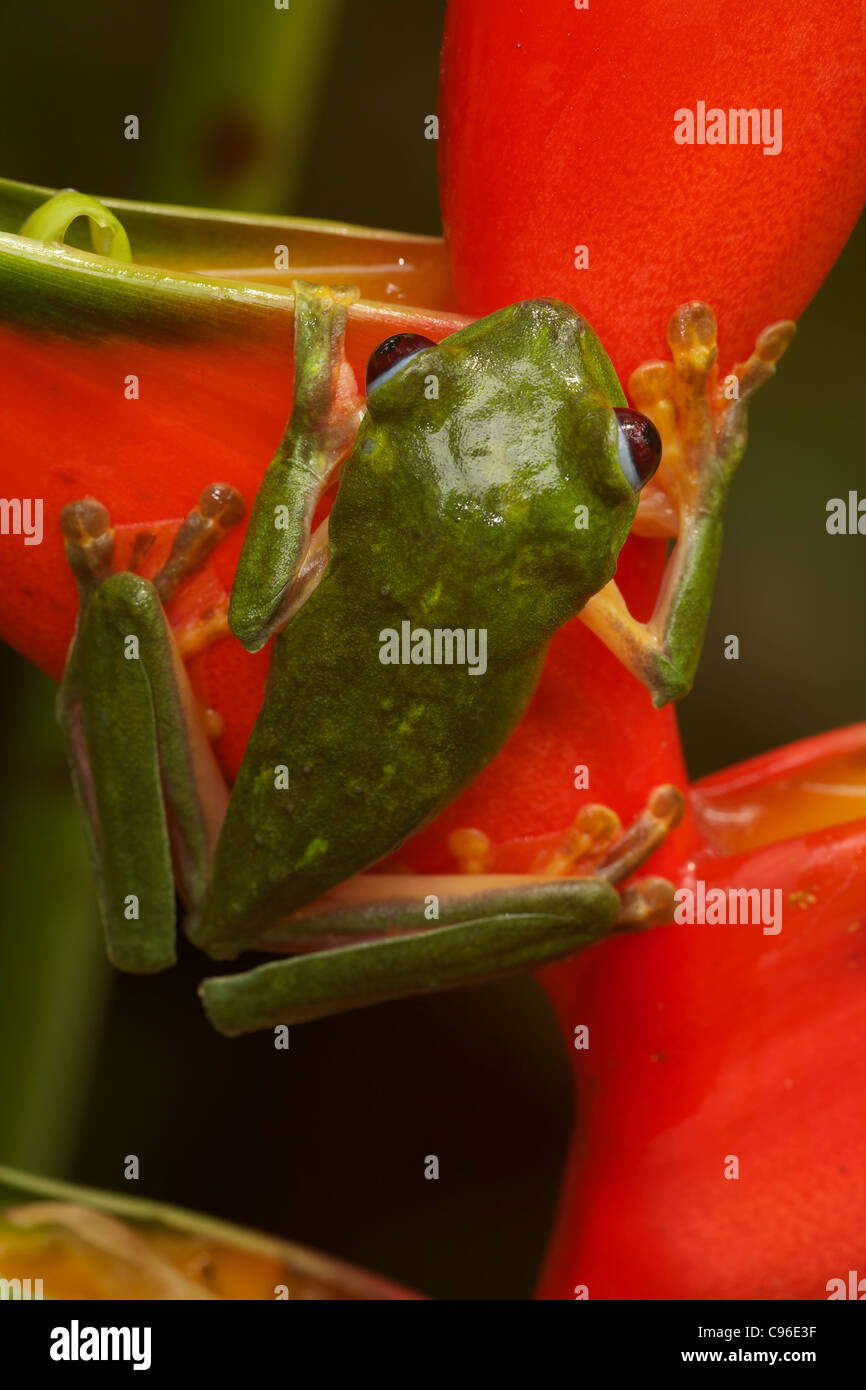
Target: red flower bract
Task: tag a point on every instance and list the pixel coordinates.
(720, 1139)
(561, 176)
(558, 132)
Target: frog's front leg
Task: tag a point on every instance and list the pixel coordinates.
(483, 927)
(147, 782)
(281, 561)
(703, 434)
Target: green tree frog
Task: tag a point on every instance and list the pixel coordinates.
(486, 489)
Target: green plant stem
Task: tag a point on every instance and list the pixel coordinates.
(238, 101)
(52, 972)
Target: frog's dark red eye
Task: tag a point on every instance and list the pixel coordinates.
(391, 355)
(639, 446)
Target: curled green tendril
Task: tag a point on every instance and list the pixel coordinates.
(51, 222)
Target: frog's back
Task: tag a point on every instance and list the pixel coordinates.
(374, 742)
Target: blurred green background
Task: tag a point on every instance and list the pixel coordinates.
(326, 1143)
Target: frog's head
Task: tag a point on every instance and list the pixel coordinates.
(515, 430)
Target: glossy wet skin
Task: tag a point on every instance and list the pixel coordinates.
(456, 512)
(476, 492)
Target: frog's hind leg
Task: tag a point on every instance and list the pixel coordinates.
(415, 934)
(146, 779)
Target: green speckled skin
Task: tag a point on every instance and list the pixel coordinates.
(130, 760)
(456, 512)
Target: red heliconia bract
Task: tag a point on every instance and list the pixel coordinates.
(557, 131)
(720, 1135)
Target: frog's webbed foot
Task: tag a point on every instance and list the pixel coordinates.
(701, 420)
(702, 424)
(649, 900)
(90, 545)
(145, 777)
(219, 508)
(414, 934)
(595, 844)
